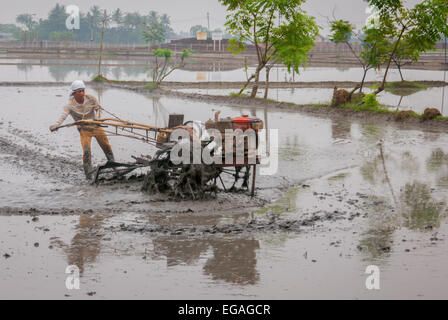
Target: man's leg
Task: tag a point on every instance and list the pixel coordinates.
(103, 141)
(86, 143)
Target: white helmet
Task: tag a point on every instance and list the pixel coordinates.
(77, 85)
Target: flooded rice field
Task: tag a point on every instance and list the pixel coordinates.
(346, 195)
(64, 70)
(418, 101)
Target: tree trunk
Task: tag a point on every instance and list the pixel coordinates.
(246, 84)
(268, 70)
(383, 84)
(363, 79)
(255, 87)
(399, 70)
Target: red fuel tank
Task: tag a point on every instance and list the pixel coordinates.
(245, 122)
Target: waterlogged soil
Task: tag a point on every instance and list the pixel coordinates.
(346, 195)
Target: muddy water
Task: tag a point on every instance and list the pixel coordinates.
(418, 101)
(346, 196)
(119, 70)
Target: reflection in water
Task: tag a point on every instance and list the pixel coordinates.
(377, 243)
(290, 149)
(160, 113)
(420, 211)
(403, 92)
(409, 163)
(234, 261)
(437, 160)
(438, 163)
(417, 210)
(85, 245)
(180, 251)
(341, 129)
(370, 171)
(373, 133)
(24, 68)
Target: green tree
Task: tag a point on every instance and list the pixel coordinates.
(12, 29)
(288, 41)
(27, 20)
(418, 27)
(133, 20)
(154, 31)
(163, 67)
(55, 22)
(197, 28)
(117, 17)
(405, 55)
(374, 46)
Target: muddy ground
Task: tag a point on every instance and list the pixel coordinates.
(351, 190)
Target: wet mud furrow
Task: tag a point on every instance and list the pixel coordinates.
(38, 162)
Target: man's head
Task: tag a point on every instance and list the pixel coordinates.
(78, 89)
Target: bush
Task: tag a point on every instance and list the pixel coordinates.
(370, 101)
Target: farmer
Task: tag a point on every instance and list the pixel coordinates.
(84, 107)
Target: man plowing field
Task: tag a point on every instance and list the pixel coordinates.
(190, 156)
(85, 107)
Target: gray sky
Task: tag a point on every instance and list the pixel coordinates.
(185, 14)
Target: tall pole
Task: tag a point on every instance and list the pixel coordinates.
(208, 21)
(444, 80)
(101, 43)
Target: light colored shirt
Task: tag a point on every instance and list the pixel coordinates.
(85, 111)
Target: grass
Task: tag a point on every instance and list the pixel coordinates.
(402, 88)
(100, 78)
(405, 85)
(236, 94)
(151, 86)
(401, 85)
(319, 105)
(415, 114)
(441, 118)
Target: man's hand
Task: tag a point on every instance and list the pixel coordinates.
(54, 128)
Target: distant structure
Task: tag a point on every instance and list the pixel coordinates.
(6, 36)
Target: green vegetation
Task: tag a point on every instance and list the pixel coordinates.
(163, 67)
(12, 29)
(280, 31)
(151, 86)
(409, 31)
(120, 27)
(405, 85)
(156, 28)
(100, 78)
(373, 46)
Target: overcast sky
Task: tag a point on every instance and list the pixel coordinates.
(184, 13)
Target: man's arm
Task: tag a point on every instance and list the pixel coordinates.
(96, 105)
(61, 119)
